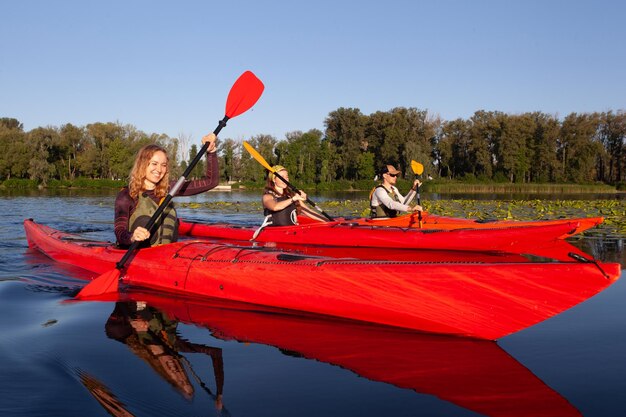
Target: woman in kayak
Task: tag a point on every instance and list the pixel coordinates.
(148, 183)
(281, 206)
(386, 200)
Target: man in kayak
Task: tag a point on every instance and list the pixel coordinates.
(281, 206)
(386, 200)
(149, 182)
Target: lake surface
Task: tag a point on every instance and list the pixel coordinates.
(158, 356)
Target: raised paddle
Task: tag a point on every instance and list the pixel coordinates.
(267, 166)
(417, 169)
(243, 94)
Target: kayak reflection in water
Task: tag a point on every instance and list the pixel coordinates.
(152, 336)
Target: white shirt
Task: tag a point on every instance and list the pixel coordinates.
(381, 196)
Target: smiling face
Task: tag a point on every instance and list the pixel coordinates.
(156, 170)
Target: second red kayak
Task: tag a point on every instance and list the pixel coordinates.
(512, 239)
(435, 222)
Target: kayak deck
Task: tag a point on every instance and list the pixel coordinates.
(435, 222)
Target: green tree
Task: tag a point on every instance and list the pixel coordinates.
(299, 153)
(454, 149)
(327, 160)
(11, 124)
(612, 134)
(199, 170)
(40, 167)
(366, 166)
(13, 158)
(578, 148)
(120, 158)
(100, 135)
(514, 158)
(228, 158)
(72, 140)
(401, 135)
(345, 131)
(544, 146)
(485, 131)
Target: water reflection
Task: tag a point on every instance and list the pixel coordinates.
(476, 375)
(151, 334)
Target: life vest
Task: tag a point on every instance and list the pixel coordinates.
(285, 217)
(165, 229)
(382, 210)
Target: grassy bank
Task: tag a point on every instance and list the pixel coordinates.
(85, 183)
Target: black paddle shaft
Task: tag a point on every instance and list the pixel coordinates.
(308, 200)
(171, 194)
(419, 203)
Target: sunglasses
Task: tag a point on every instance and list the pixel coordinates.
(392, 175)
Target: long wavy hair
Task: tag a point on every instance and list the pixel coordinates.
(138, 173)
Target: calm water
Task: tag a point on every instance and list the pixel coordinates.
(168, 357)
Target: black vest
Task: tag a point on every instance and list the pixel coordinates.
(285, 217)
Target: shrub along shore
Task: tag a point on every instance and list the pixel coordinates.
(436, 186)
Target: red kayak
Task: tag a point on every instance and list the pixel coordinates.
(432, 221)
(513, 239)
(556, 249)
(473, 374)
(481, 300)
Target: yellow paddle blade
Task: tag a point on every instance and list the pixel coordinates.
(257, 156)
(417, 167)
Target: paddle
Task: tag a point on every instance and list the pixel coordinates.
(267, 166)
(417, 170)
(243, 94)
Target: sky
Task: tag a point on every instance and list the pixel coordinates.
(167, 66)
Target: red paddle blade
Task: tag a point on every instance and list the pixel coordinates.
(104, 284)
(245, 92)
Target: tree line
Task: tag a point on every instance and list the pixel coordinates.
(489, 146)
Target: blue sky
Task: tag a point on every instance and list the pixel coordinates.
(167, 66)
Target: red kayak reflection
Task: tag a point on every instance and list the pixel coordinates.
(473, 374)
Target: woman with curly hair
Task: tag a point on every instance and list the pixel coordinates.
(149, 182)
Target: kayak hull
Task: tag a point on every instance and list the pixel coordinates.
(480, 300)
